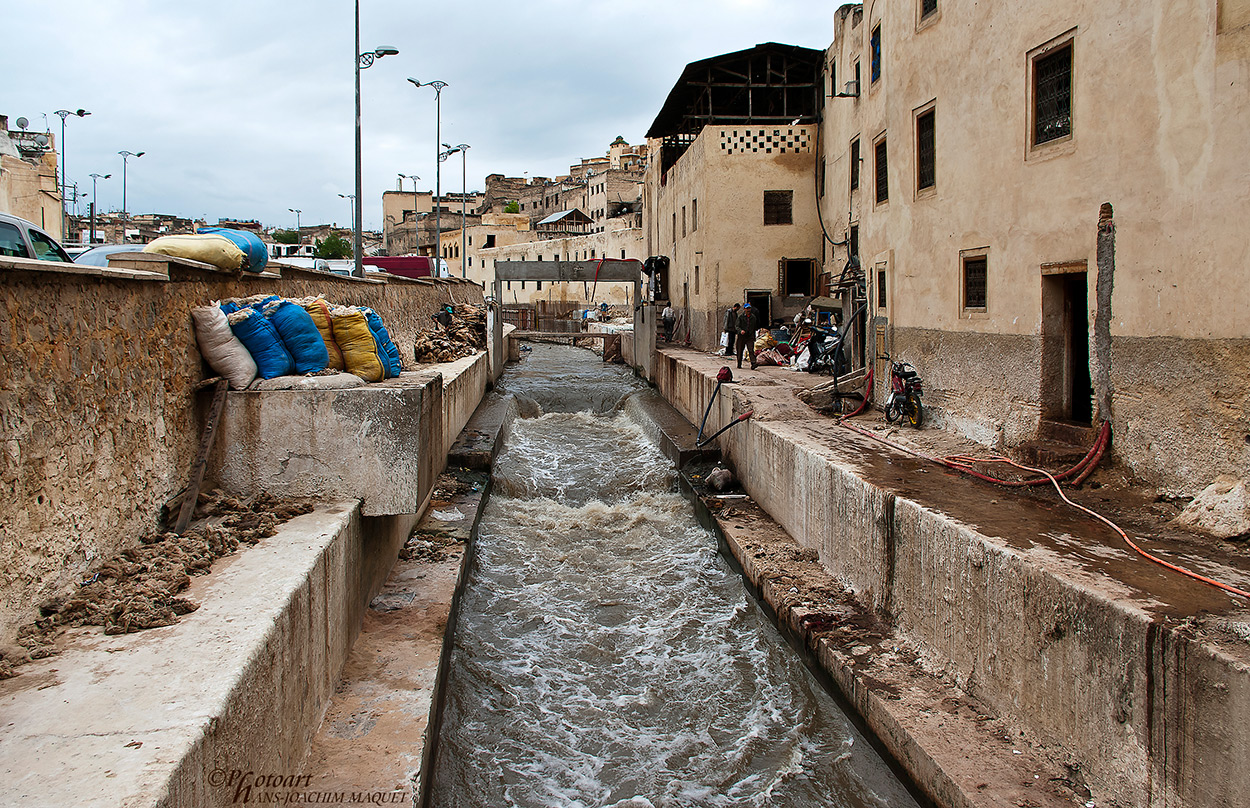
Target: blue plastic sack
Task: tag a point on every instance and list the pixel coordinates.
(387, 349)
(264, 344)
(255, 253)
(300, 335)
(260, 307)
(229, 307)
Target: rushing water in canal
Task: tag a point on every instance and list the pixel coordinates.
(606, 655)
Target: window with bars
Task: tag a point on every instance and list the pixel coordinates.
(1052, 95)
(926, 151)
(927, 7)
(881, 300)
(975, 271)
(883, 172)
(778, 207)
(875, 46)
(854, 164)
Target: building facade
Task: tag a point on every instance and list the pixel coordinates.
(1044, 218)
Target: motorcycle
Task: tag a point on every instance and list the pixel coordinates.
(905, 391)
(824, 358)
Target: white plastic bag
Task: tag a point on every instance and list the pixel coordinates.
(724, 339)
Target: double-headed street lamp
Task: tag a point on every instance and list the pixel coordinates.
(463, 148)
(439, 157)
(65, 113)
(363, 60)
(416, 203)
(126, 155)
(298, 238)
(91, 233)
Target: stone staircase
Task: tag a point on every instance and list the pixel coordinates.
(1059, 445)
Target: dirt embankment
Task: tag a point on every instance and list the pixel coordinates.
(141, 586)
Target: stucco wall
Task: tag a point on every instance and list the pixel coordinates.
(98, 418)
(724, 177)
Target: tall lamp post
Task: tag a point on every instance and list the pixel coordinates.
(438, 159)
(126, 155)
(363, 60)
(463, 148)
(94, 177)
(416, 202)
(297, 212)
(65, 113)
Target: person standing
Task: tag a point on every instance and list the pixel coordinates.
(748, 324)
(667, 317)
(731, 325)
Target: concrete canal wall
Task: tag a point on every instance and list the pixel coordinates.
(1138, 678)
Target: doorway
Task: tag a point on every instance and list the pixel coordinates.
(762, 302)
(1067, 392)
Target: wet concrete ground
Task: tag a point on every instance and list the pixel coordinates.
(1026, 519)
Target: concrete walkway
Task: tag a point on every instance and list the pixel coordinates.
(1129, 678)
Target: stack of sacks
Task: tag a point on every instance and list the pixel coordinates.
(281, 337)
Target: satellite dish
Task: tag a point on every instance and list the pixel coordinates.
(22, 123)
(41, 141)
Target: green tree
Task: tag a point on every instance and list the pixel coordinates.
(285, 237)
(334, 246)
(512, 207)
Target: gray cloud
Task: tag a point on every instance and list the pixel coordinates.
(246, 109)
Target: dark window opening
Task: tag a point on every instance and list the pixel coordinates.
(857, 78)
(798, 277)
(926, 151)
(833, 77)
(854, 164)
(875, 45)
(927, 7)
(881, 288)
(853, 238)
(779, 207)
(975, 271)
(490, 241)
(1052, 95)
(883, 173)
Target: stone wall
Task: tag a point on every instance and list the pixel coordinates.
(99, 418)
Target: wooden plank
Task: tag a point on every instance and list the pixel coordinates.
(201, 458)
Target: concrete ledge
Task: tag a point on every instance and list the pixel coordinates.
(479, 443)
(163, 717)
(1134, 676)
(382, 443)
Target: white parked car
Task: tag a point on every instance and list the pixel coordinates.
(22, 239)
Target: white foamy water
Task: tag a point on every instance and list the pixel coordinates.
(607, 656)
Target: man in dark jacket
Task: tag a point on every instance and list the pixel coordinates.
(731, 327)
(748, 324)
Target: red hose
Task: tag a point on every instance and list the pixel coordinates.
(958, 463)
(867, 394)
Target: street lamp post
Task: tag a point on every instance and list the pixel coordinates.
(463, 148)
(416, 203)
(299, 239)
(363, 60)
(91, 232)
(126, 155)
(438, 159)
(65, 113)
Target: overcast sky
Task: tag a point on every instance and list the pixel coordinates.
(245, 109)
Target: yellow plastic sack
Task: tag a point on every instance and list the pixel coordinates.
(764, 342)
(360, 350)
(207, 248)
(319, 309)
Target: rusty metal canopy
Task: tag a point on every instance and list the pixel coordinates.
(768, 84)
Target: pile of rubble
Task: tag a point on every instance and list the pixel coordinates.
(466, 335)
